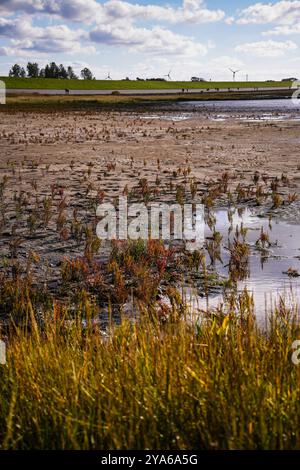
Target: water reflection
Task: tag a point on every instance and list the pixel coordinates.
(274, 249)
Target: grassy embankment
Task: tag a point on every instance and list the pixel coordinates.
(52, 84)
(41, 103)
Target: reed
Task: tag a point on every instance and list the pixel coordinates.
(223, 383)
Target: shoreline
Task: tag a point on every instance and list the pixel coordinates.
(119, 102)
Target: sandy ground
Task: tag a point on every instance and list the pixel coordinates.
(100, 138)
(75, 159)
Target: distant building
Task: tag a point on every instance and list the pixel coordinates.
(197, 79)
(292, 79)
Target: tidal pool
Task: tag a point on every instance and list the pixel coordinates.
(267, 280)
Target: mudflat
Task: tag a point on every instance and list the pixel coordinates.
(57, 167)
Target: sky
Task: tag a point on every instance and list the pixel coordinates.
(150, 38)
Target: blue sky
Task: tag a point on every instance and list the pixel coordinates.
(148, 38)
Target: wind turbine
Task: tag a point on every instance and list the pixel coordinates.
(234, 72)
(168, 75)
(108, 77)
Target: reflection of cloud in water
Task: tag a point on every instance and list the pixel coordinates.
(248, 110)
(267, 281)
(261, 105)
(167, 118)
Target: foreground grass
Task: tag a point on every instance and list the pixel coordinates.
(223, 385)
(61, 84)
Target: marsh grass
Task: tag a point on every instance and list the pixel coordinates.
(224, 384)
(53, 103)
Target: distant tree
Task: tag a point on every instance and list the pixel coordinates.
(33, 70)
(54, 70)
(17, 71)
(51, 70)
(47, 71)
(62, 73)
(86, 74)
(71, 73)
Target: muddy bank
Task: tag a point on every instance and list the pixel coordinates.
(56, 168)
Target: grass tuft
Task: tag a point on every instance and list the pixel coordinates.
(224, 384)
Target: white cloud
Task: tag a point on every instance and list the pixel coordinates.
(89, 11)
(17, 28)
(191, 11)
(230, 20)
(72, 10)
(60, 38)
(283, 12)
(266, 48)
(283, 30)
(155, 41)
(114, 24)
(28, 39)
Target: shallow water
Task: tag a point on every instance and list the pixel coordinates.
(266, 281)
(275, 105)
(174, 118)
(242, 110)
(257, 117)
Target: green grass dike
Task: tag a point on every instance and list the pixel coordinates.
(61, 84)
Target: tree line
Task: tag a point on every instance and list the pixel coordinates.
(51, 70)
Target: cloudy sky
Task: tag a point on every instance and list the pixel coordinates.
(149, 37)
